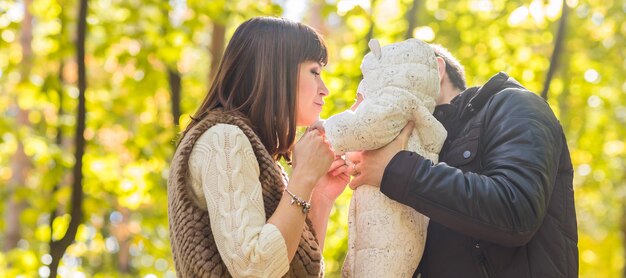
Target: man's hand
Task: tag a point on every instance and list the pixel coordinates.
(369, 170)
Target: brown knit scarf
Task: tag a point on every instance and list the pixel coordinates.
(193, 246)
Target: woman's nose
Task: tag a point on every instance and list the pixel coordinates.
(323, 89)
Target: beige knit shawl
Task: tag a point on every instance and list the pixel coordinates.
(193, 246)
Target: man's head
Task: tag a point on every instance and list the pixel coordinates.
(451, 73)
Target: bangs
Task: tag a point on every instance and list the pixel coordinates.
(314, 48)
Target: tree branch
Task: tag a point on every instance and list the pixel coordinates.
(556, 52)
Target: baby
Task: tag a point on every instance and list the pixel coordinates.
(400, 84)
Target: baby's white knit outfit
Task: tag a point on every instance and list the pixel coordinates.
(400, 84)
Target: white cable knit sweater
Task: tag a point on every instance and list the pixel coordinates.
(248, 245)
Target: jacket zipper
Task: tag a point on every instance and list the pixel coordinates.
(484, 268)
(482, 260)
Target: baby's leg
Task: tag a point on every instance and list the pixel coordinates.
(347, 269)
(390, 237)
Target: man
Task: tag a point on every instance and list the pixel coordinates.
(500, 202)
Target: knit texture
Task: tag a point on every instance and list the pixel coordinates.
(224, 176)
(400, 84)
(194, 247)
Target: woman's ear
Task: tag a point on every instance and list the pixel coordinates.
(441, 64)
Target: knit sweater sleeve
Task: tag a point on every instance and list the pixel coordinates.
(225, 175)
(375, 123)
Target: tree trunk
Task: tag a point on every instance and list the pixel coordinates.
(370, 31)
(20, 163)
(173, 77)
(60, 140)
(218, 38)
(25, 41)
(556, 52)
(19, 167)
(411, 18)
(60, 111)
(315, 16)
(58, 248)
(121, 232)
(623, 231)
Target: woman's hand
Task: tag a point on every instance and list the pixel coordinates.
(312, 155)
(331, 185)
(328, 188)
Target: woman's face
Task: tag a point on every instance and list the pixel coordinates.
(311, 93)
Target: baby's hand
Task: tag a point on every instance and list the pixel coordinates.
(319, 125)
(359, 99)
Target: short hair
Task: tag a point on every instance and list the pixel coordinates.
(258, 77)
(454, 69)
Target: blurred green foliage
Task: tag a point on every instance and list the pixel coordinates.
(131, 133)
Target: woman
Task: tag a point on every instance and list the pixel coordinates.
(232, 211)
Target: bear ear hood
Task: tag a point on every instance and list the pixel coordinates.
(375, 47)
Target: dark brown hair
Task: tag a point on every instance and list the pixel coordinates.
(454, 69)
(258, 77)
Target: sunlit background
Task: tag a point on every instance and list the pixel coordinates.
(148, 64)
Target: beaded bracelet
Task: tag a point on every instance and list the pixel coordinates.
(306, 206)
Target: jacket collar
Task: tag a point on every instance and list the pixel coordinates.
(482, 94)
(470, 101)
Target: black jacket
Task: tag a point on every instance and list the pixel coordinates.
(501, 201)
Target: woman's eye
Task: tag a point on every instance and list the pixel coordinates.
(315, 73)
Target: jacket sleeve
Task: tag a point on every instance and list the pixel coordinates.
(507, 201)
(376, 121)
